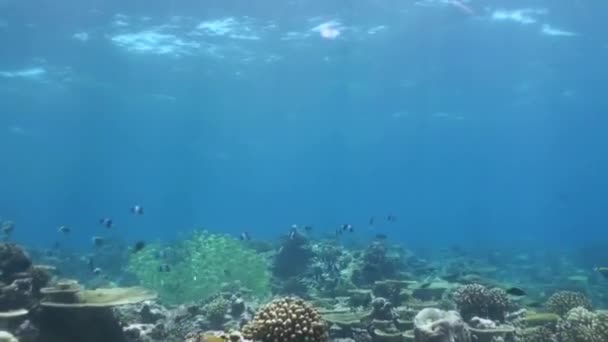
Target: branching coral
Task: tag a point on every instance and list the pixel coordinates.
(200, 267)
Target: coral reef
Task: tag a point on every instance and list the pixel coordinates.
(69, 313)
(375, 264)
(200, 267)
(485, 330)
(286, 319)
(216, 311)
(434, 325)
(539, 334)
(329, 274)
(13, 260)
(563, 301)
(293, 257)
(382, 309)
(393, 290)
(477, 300)
(20, 281)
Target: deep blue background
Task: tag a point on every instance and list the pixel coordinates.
(308, 141)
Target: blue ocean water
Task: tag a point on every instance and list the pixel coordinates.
(471, 121)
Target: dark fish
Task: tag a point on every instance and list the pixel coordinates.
(534, 304)
(138, 246)
(425, 285)
(98, 241)
(516, 291)
(164, 268)
(227, 273)
(371, 221)
(64, 229)
(307, 228)
(137, 210)
(381, 236)
(97, 270)
(348, 228)
(391, 218)
(245, 236)
(106, 222)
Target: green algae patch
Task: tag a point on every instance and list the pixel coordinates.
(344, 317)
(199, 267)
(540, 319)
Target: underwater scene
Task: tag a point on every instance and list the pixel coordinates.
(303, 171)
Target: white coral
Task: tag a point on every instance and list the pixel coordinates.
(7, 337)
(434, 325)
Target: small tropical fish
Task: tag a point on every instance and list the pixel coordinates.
(381, 236)
(64, 229)
(106, 222)
(391, 218)
(97, 270)
(227, 273)
(137, 210)
(348, 228)
(245, 236)
(307, 228)
(164, 268)
(516, 291)
(602, 270)
(138, 246)
(98, 241)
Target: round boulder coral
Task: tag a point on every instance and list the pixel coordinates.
(287, 319)
(564, 301)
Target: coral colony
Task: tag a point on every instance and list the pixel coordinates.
(212, 287)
